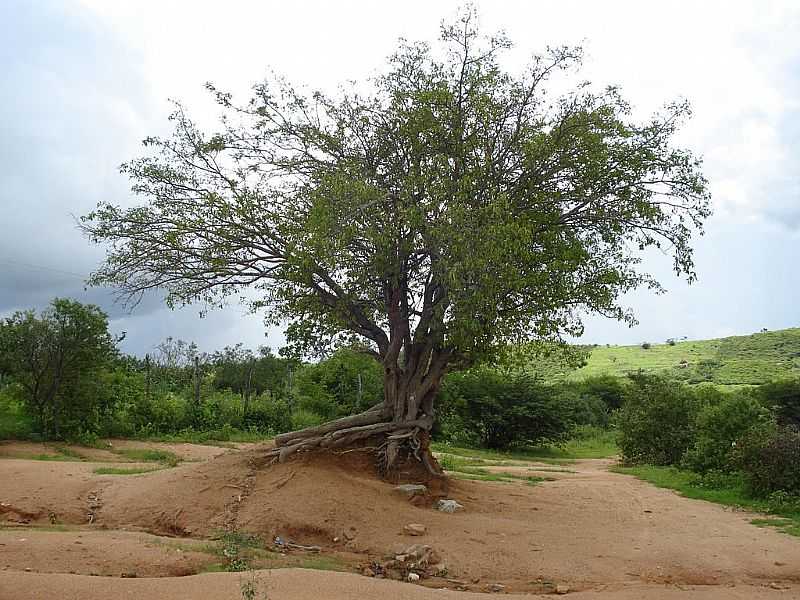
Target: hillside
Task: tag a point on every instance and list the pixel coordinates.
(738, 360)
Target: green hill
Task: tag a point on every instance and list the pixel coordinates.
(739, 360)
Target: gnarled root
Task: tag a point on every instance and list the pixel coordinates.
(395, 440)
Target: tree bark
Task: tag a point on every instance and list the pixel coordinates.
(400, 425)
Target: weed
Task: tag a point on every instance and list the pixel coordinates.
(124, 471)
(164, 457)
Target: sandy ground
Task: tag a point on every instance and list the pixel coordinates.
(600, 534)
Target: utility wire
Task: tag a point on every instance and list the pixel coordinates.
(42, 268)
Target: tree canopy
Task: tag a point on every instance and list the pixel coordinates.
(55, 359)
(436, 213)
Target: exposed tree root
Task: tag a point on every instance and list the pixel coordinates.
(393, 442)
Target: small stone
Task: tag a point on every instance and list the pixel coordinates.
(409, 490)
(562, 589)
(413, 577)
(778, 586)
(28, 569)
(336, 540)
(415, 529)
(448, 506)
(495, 587)
(779, 563)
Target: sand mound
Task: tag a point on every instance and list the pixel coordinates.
(589, 530)
(310, 499)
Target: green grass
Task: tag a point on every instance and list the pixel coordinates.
(53, 457)
(732, 361)
(164, 457)
(125, 471)
(223, 438)
(728, 491)
(62, 453)
(589, 442)
(790, 526)
(476, 469)
(543, 455)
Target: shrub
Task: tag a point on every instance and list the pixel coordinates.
(15, 422)
(645, 345)
(503, 410)
(769, 455)
(269, 414)
(719, 425)
(656, 422)
(302, 418)
(607, 388)
(784, 396)
(585, 408)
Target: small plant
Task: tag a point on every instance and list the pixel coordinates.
(251, 586)
(234, 549)
(645, 345)
(164, 457)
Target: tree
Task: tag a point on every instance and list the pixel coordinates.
(56, 359)
(437, 214)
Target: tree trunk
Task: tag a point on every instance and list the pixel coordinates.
(399, 426)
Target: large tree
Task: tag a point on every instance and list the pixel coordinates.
(436, 213)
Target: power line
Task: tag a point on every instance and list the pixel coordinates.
(42, 268)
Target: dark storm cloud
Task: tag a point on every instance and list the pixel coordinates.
(71, 101)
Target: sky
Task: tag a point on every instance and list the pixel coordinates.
(84, 81)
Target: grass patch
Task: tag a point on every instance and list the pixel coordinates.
(165, 457)
(125, 471)
(49, 457)
(321, 563)
(729, 491)
(62, 453)
(499, 458)
(590, 443)
(69, 453)
(790, 526)
(224, 438)
(477, 470)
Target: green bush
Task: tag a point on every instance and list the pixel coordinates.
(656, 422)
(610, 389)
(505, 410)
(584, 408)
(15, 423)
(784, 396)
(720, 423)
(269, 414)
(769, 455)
(303, 418)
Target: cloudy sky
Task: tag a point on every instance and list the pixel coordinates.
(84, 81)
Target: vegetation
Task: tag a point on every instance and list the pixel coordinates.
(729, 447)
(728, 490)
(656, 421)
(434, 215)
(755, 359)
(124, 470)
(55, 360)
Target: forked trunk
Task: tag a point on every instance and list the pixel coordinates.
(397, 429)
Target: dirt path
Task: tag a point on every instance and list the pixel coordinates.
(601, 534)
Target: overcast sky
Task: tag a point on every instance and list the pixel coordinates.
(82, 82)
